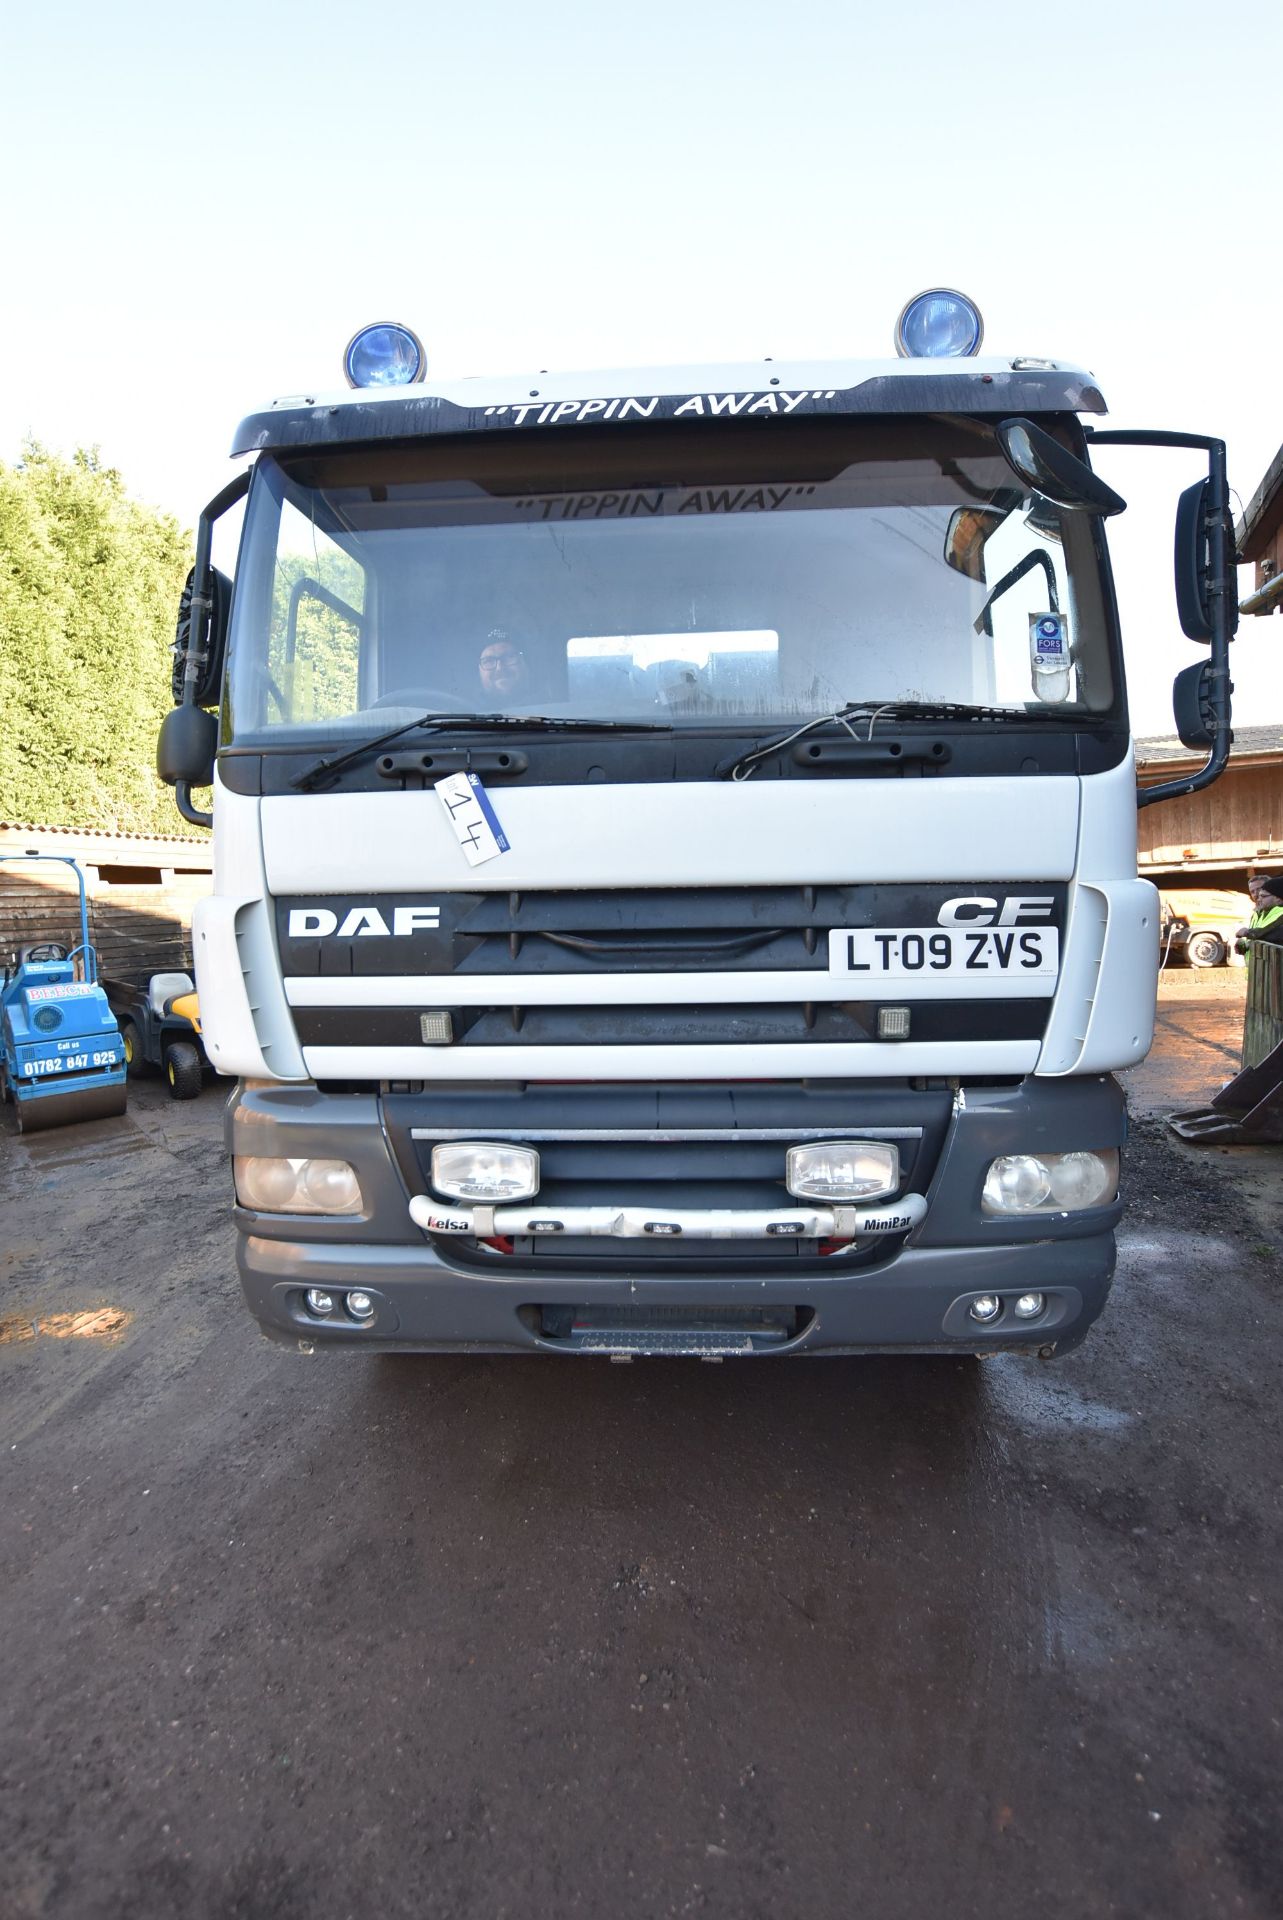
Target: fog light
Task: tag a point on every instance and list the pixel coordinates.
(842, 1170)
(893, 1023)
(1030, 1305)
(485, 1170)
(436, 1029)
(319, 1301)
(276, 1184)
(360, 1306)
(986, 1307)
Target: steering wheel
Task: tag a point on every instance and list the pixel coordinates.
(422, 697)
(47, 950)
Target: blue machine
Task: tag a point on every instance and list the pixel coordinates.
(61, 1055)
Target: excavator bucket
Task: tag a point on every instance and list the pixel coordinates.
(1248, 1112)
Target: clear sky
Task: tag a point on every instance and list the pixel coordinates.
(201, 205)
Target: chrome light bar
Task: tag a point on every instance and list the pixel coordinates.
(656, 1222)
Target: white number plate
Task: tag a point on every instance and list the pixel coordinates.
(949, 953)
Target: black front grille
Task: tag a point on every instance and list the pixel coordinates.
(727, 1024)
(606, 930)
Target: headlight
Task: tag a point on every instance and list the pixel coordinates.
(939, 325)
(842, 1170)
(1050, 1182)
(272, 1185)
(384, 355)
(1083, 1179)
(485, 1170)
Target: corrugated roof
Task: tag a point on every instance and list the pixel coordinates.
(109, 833)
(1247, 740)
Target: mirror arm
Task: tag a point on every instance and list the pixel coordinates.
(202, 599)
(202, 586)
(201, 609)
(1145, 437)
(195, 659)
(1222, 592)
(183, 801)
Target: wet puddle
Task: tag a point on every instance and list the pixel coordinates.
(1027, 1395)
(1185, 1251)
(109, 1140)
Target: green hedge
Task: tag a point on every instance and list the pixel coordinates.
(89, 586)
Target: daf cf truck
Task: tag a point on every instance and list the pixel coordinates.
(675, 850)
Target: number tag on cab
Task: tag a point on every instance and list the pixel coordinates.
(470, 813)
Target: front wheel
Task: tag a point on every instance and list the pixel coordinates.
(135, 1062)
(1205, 950)
(182, 1070)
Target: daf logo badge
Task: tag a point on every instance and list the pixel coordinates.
(319, 923)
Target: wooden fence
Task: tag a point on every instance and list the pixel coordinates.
(1263, 1011)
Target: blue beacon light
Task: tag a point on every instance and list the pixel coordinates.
(939, 325)
(384, 355)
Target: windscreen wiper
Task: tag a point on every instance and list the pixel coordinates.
(746, 763)
(938, 710)
(470, 722)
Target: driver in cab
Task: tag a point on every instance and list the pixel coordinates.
(502, 668)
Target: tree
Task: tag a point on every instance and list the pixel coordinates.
(89, 586)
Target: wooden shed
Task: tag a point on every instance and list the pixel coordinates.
(1224, 829)
(141, 889)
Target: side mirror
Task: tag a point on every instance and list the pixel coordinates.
(1199, 536)
(201, 634)
(964, 543)
(186, 747)
(1193, 706)
(1051, 470)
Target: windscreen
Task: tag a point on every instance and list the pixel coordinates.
(727, 574)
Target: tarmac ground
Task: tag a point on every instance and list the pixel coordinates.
(300, 1639)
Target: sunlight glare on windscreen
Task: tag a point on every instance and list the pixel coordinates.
(648, 649)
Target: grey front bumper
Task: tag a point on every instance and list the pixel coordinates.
(907, 1291)
(916, 1302)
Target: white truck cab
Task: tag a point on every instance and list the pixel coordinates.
(675, 851)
